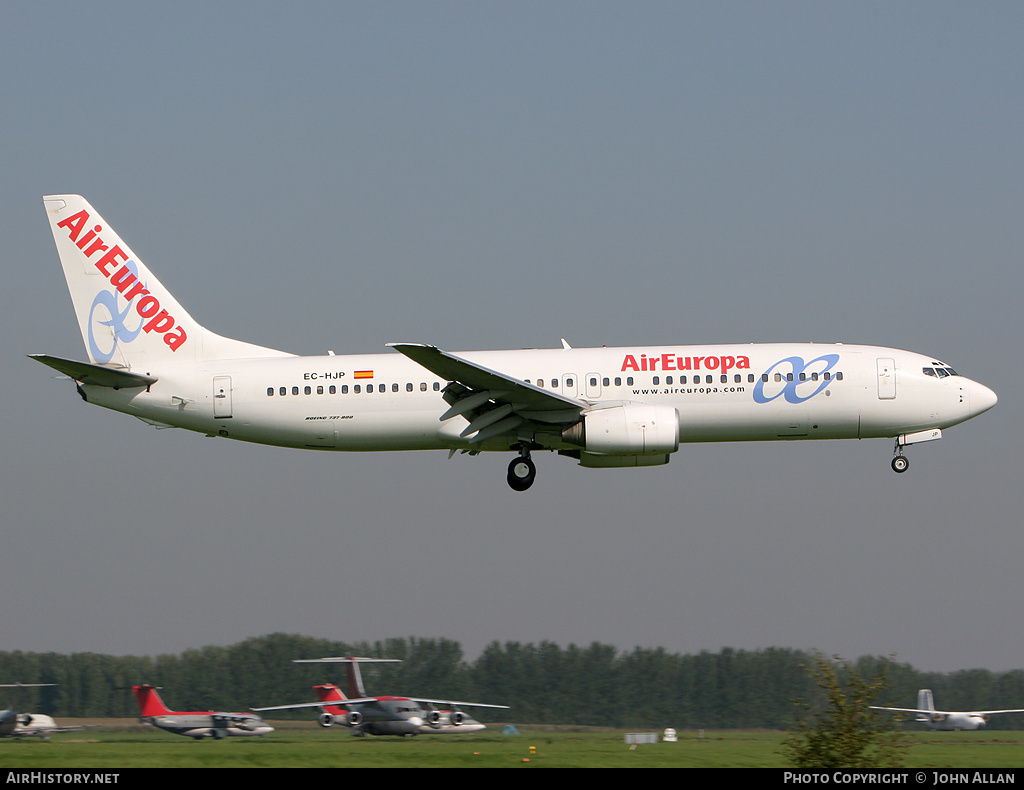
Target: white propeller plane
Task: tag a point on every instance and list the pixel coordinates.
(405, 716)
(603, 407)
(30, 725)
(947, 719)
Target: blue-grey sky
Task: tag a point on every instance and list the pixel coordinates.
(338, 175)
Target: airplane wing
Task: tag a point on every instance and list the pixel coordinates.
(100, 375)
(493, 402)
(324, 704)
(454, 703)
(909, 710)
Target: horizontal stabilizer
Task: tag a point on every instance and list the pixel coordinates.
(99, 375)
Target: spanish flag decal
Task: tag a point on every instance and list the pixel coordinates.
(363, 374)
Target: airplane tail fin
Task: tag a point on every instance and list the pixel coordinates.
(126, 316)
(925, 702)
(149, 701)
(329, 693)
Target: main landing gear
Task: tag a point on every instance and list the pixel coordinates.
(900, 463)
(522, 471)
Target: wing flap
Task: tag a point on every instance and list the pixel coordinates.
(493, 403)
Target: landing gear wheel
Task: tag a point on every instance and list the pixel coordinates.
(521, 473)
(900, 464)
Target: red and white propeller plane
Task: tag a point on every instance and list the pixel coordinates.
(406, 716)
(603, 407)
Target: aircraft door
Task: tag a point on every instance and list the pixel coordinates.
(221, 396)
(886, 378)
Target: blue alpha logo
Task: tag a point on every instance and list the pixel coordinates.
(111, 316)
(795, 380)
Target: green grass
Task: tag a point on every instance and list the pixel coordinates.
(306, 747)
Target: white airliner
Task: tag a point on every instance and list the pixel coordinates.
(604, 407)
(947, 719)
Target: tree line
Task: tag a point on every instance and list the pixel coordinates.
(544, 683)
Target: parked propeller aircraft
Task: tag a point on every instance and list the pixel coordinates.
(384, 715)
(195, 724)
(604, 407)
(947, 719)
(28, 725)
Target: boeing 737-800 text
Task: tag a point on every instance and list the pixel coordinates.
(604, 407)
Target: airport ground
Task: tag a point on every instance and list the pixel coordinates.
(124, 743)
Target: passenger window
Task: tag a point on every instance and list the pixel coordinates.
(778, 377)
(423, 386)
(295, 390)
(656, 380)
(629, 381)
(408, 387)
(356, 389)
(283, 391)
(319, 390)
(437, 386)
(394, 387)
(618, 381)
(750, 378)
(839, 376)
(344, 389)
(270, 390)
(332, 390)
(605, 381)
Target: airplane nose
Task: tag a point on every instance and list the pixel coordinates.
(982, 398)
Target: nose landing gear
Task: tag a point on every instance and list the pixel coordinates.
(522, 471)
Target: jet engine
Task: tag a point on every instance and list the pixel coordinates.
(457, 717)
(433, 718)
(326, 720)
(631, 429)
(354, 718)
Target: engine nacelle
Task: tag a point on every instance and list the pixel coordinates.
(457, 717)
(433, 718)
(326, 720)
(630, 429)
(354, 718)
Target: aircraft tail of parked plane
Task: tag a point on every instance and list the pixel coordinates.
(604, 407)
(947, 719)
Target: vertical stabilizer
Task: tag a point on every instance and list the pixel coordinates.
(925, 702)
(328, 693)
(126, 316)
(149, 701)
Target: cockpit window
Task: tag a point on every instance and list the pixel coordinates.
(929, 371)
(941, 373)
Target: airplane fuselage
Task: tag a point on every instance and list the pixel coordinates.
(205, 725)
(387, 402)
